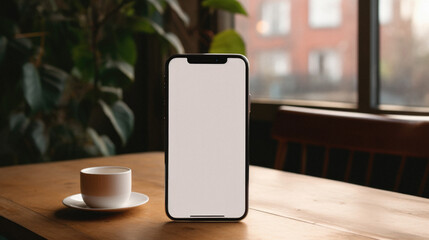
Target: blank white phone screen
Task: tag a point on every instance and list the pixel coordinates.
(207, 139)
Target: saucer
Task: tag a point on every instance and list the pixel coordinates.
(76, 201)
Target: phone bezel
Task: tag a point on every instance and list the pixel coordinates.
(207, 59)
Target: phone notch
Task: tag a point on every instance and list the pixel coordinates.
(207, 59)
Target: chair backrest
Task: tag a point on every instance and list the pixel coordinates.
(372, 133)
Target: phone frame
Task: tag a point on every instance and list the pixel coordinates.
(207, 59)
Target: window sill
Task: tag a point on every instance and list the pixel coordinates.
(266, 109)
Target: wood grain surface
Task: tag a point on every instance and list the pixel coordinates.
(282, 206)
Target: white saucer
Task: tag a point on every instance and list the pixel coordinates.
(76, 201)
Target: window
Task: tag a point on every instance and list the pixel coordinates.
(275, 18)
(275, 64)
(325, 66)
(324, 13)
(385, 11)
(324, 63)
(404, 54)
(308, 63)
(274, 68)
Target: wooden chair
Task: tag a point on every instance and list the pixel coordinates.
(355, 132)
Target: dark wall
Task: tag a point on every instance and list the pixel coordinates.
(262, 146)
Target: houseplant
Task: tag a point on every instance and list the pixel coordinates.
(64, 66)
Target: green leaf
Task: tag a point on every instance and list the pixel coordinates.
(110, 94)
(126, 69)
(32, 87)
(3, 44)
(157, 5)
(175, 42)
(117, 74)
(53, 84)
(114, 77)
(18, 122)
(228, 41)
(83, 61)
(119, 44)
(140, 24)
(109, 145)
(170, 37)
(40, 140)
(128, 8)
(121, 117)
(103, 143)
(174, 4)
(126, 48)
(232, 6)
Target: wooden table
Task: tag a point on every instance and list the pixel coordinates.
(282, 206)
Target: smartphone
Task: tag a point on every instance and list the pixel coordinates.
(206, 148)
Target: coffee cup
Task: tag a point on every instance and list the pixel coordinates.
(106, 186)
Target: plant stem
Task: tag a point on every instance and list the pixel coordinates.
(94, 47)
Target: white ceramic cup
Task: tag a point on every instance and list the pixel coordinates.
(105, 187)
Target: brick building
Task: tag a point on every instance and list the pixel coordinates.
(307, 49)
